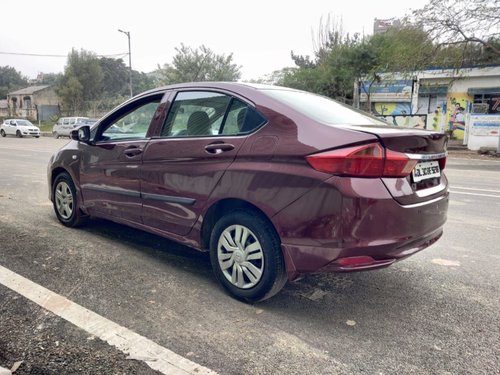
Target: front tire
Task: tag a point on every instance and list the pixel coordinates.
(246, 256)
(18, 134)
(56, 136)
(65, 201)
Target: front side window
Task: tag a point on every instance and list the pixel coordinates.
(202, 114)
(133, 124)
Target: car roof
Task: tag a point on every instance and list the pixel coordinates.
(245, 86)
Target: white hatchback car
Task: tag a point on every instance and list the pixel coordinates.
(19, 128)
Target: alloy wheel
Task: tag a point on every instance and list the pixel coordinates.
(64, 200)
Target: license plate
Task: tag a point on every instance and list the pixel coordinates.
(426, 170)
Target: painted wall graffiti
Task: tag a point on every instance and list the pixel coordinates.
(434, 120)
(457, 106)
(407, 121)
(391, 109)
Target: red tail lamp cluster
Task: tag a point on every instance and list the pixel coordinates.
(370, 160)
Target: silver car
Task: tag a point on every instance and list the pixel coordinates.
(65, 125)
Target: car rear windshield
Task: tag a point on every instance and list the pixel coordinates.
(323, 109)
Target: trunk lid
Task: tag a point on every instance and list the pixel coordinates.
(427, 181)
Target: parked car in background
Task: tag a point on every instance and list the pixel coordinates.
(20, 128)
(65, 125)
(273, 182)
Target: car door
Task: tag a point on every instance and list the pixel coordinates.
(199, 140)
(11, 127)
(109, 171)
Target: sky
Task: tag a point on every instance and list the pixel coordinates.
(260, 33)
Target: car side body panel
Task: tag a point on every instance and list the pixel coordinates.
(177, 182)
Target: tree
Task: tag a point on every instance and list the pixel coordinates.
(200, 64)
(82, 82)
(115, 77)
(144, 81)
(339, 60)
(463, 23)
(10, 80)
(49, 78)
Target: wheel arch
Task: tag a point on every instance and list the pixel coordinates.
(56, 172)
(223, 207)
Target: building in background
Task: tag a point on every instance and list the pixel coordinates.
(463, 102)
(381, 26)
(36, 103)
(4, 109)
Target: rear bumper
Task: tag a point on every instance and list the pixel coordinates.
(357, 226)
(351, 259)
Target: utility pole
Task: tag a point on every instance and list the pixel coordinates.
(127, 33)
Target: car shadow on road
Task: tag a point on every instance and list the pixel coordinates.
(150, 244)
(376, 289)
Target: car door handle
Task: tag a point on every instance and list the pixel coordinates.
(217, 148)
(134, 151)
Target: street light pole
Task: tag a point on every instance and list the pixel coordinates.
(127, 33)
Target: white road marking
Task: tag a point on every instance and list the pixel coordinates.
(475, 194)
(475, 189)
(131, 343)
(446, 262)
(449, 161)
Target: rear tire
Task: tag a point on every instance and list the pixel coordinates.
(56, 136)
(246, 256)
(65, 201)
(2, 133)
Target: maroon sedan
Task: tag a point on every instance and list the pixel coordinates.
(273, 182)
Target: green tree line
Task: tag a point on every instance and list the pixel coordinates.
(93, 85)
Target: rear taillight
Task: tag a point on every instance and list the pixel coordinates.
(442, 163)
(370, 160)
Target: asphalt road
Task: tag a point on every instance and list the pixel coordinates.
(437, 312)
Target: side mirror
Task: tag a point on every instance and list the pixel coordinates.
(82, 134)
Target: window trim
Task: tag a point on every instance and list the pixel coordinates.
(121, 112)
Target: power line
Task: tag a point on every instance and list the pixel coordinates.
(43, 55)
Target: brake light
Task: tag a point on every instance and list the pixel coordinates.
(442, 163)
(370, 160)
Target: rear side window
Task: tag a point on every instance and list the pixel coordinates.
(322, 109)
(241, 119)
(203, 113)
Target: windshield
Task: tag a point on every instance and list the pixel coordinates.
(323, 109)
(24, 123)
